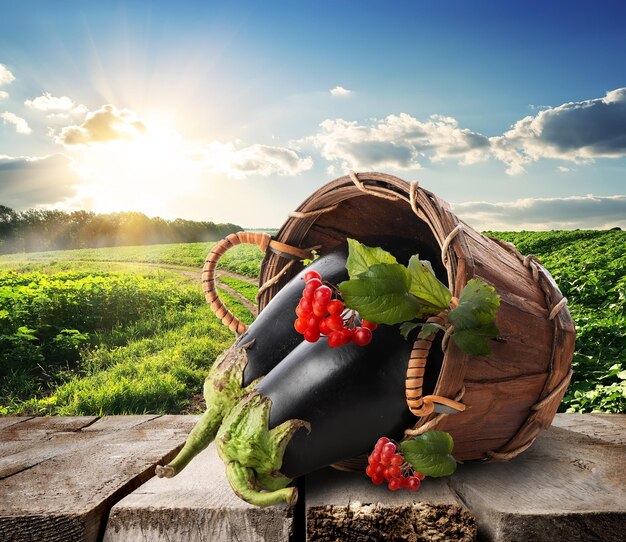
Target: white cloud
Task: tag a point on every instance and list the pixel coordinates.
(564, 169)
(48, 102)
(3, 95)
(256, 159)
(398, 141)
(576, 131)
(6, 77)
(35, 181)
(546, 213)
(102, 126)
(21, 126)
(57, 107)
(340, 91)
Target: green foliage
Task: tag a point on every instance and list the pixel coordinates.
(590, 268)
(38, 229)
(46, 320)
(426, 286)
(430, 453)
(474, 318)
(247, 289)
(386, 292)
(381, 294)
(361, 258)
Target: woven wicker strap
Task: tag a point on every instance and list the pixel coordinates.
(424, 405)
(264, 241)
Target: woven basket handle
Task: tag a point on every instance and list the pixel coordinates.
(264, 241)
(419, 405)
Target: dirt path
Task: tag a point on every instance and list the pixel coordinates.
(196, 274)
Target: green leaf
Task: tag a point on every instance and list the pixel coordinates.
(381, 294)
(474, 318)
(407, 327)
(361, 258)
(426, 286)
(428, 329)
(430, 453)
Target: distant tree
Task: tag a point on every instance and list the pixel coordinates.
(39, 230)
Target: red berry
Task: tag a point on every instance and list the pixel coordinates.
(396, 460)
(312, 275)
(322, 294)
(324, 329)
(369, 325)
(313, 322)
(335, 322)
(334, 339)
(385, 460)
(419, 475)
(402, 480)
(413, 483)
(335, 306)
(380, 443)
(320, 309)
(312, 285)
(300, 325)
(394, 484)
(374, 458)
(362, 336)
(370, 470)
(395, 471)
(388, 450)
(346, 335)
(380, 469)
(387, 473)
(305, 305)
(312, 335)
(378, 479)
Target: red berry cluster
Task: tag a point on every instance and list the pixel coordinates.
(386, 462)
(321, 315)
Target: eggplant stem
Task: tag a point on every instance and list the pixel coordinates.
(202, 434)
(244, 484)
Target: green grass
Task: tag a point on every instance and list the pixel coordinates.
(249, 291)
(105, 338)
(242, 259)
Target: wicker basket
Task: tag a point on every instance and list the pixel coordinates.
(510, 395)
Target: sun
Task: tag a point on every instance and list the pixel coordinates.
(142, 173)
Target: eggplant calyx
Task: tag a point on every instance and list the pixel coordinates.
(245, 486)
(222, 390)
(245, 437)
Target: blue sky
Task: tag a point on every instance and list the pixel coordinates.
(515, 112)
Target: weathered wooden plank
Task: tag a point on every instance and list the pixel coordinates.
(197, 505)
(604, 427)
(347, 506)
(567, 486)
(84, 469)
(8, 421)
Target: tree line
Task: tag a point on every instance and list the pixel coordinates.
(41, 230)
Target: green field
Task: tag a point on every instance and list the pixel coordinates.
(126, 329)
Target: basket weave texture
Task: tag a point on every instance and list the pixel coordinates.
(511, 394)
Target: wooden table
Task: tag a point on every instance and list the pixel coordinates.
(91, 478)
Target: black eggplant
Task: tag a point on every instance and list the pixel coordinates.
(265, 343)
(317, 407)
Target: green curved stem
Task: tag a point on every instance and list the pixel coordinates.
(200, 437)
(243, 482)
(222, 390)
